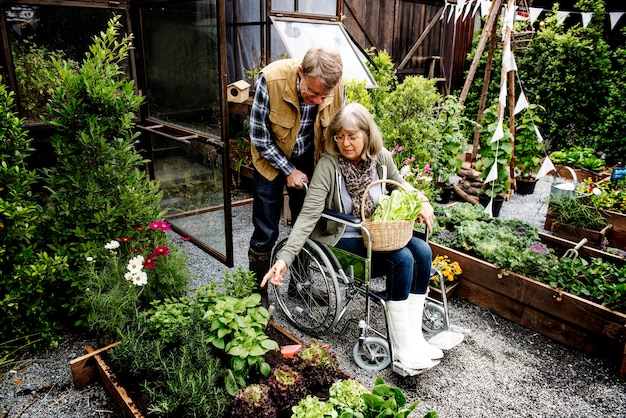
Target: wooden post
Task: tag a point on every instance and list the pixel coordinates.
(494, 13)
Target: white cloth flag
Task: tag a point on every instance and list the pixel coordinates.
(485, 6)
(509, 20)
(508, 59)
(534, 13)
(489, 208)
(502, 97)
(476, 6)
(586, 18)
(539, 137)
(498, 134)
(561, 16)
(493, 173)
(545, 168)
(615, 17)
(521, 104)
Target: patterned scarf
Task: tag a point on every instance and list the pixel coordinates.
(358, 176)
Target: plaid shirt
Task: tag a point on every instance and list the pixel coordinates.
(261, 135)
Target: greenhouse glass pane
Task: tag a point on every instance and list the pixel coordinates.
(298, 35)
(182, 62)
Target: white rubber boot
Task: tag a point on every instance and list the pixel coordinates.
(416, 308)
(403, 339)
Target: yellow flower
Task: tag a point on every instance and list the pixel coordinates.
(450, 270)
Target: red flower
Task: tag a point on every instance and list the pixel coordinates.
(185, 238)
(125, 239)
(161, 250)
(139, 228)
(162, 225)
(149, 262)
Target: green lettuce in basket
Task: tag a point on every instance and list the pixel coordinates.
(400, 205)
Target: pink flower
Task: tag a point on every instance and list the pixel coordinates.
(149, 262)
(185, 238)
(162, 225)
(427, 168)
(161, 250)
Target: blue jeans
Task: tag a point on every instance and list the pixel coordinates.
(268, 203)
(407, 270)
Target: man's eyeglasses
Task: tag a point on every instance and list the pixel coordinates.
(343, 139)
(313, 94)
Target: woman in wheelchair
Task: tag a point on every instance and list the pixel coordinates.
(354, 157)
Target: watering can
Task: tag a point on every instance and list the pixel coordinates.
(562, 187)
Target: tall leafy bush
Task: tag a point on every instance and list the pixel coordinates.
(98, 190)
(27, 274)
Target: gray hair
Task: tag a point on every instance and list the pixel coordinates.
(355, 117)
(324, 64)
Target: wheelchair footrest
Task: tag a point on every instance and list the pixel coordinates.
(404, 371)
(447, 339)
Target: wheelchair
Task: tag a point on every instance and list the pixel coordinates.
(324, 281)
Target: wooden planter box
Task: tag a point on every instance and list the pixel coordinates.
(92, 365)
(435, 292)
(568, 319)
(615, 232)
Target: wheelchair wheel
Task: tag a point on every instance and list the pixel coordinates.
(373, 354)
(434, 319)
(310, 294)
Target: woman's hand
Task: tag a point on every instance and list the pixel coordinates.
(427, 215)
(275, 274)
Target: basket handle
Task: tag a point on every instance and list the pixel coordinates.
(572, 172)
(372, 184)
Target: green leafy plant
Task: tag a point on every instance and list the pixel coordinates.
(97, 189)
(528, 149)
(580, 157)
(496, 152)
(318, 365)
(313, 407)
(253, 401)
(139, 268)
(387, 401)
(287, 387)
(346, 396)
(572, 211)
(29, 273)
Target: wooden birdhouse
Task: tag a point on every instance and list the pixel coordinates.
(238, 92)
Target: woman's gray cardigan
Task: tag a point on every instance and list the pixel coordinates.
(325, 192)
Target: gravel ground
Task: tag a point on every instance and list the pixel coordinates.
(500, 369)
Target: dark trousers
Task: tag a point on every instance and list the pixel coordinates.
(268, 202)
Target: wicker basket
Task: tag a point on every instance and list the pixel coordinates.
(386, 235)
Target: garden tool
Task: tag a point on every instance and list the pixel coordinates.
(573, 252)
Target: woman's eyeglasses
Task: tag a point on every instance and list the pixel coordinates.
(343, 138)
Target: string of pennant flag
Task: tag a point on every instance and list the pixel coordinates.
(463, 8)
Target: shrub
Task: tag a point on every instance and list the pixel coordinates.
(28, 273)
(97, 189)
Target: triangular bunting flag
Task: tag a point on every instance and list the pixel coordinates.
(509, 20)
(468, 9)
(534, 13)
(498, 134)
(615, 17)
(502, 97)
(489, 208)
(546, 167)
(476, 6)
(539, 137)
(493, 173)
(485, 6)
(508, 60)
(521, 104)
(586, 18)
(561, 16)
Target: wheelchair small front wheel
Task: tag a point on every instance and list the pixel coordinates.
(434, 319)
(373, 354)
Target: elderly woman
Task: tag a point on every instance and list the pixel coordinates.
(355, 157)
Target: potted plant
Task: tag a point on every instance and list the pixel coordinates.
(451, 272)
(528, 151)
(494, 152)
(569, 218)
(447, 157)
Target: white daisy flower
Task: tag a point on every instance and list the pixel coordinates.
(112, 245)
(135, 264)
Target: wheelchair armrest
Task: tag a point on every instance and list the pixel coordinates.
(341, 217)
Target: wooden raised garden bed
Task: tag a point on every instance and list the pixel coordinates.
(92, 365)
(616, 234)
(568, 319)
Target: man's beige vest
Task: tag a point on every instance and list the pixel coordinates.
(281, 78)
